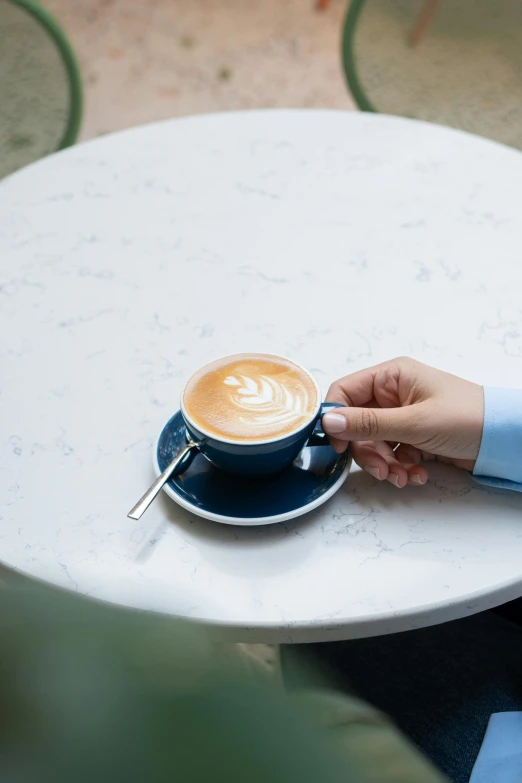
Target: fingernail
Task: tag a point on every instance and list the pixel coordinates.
(372, 471)
(394, 479)
(333, 424)
(416, 479)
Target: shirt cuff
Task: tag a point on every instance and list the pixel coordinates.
(500, 454)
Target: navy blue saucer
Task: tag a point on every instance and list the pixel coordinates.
(209, 492)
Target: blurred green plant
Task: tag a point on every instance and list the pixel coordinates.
(94, 693)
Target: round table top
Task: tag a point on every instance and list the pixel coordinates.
(337, 239)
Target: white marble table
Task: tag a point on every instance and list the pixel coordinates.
(337, 239)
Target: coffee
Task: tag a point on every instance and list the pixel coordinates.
(250, 398)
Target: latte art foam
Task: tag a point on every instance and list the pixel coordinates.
(251, 397)
(270, 399)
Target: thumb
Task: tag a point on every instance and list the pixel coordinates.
(400, 424)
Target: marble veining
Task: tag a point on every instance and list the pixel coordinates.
(338, 240)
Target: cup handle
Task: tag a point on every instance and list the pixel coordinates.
(319, 436)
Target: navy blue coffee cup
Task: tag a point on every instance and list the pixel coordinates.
(259, 459)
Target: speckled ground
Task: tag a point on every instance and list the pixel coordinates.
(466, 72)
(149, 60)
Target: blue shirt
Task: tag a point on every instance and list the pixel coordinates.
(500, 757)
(499, 462)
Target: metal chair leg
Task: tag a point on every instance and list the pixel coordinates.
(427, 14)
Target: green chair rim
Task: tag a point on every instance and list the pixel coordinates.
(348, 56)
(72, 68)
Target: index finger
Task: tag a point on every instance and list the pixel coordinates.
(353, 390)
(377, 386)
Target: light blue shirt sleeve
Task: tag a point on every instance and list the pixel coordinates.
(499, 463)
(500, 757)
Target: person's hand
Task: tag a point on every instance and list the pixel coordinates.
(401, 413)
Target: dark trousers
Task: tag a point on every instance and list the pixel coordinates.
(440, 684)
